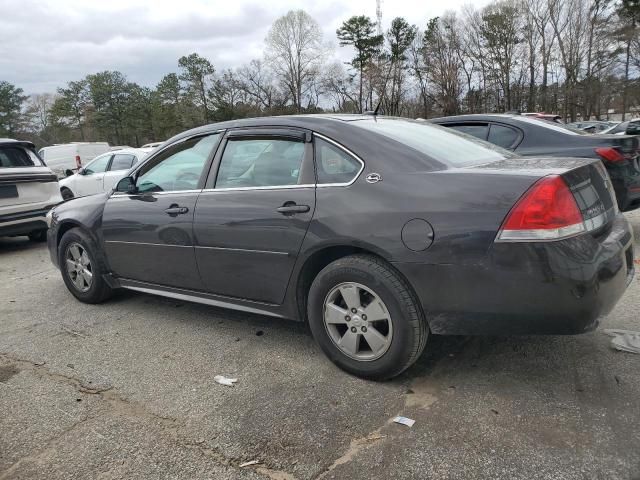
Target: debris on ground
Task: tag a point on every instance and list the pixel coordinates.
(404, 421)
(624, 340)
(246, 464)
(222, 380)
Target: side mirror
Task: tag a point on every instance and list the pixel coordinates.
(68, 172)
(126, 185)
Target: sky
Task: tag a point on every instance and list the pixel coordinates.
(45, 44)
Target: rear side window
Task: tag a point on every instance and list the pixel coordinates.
(270, 162)
(502, 136)
(15, 157)
(122, 161)
(474, 129)
(444, 145)
(333, 164)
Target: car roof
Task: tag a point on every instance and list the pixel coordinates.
(11, 141)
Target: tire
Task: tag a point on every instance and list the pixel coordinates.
(38, 235)
(374, 282)
(95, 291)
(66, 194)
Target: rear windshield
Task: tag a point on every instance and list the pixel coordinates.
(558, 127)
(15, 157)
(444, 145)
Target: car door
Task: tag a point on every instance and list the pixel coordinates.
(251, 219)
(148, 233)
(120, 165)
(90, 179)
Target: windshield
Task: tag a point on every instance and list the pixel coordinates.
(445, 145)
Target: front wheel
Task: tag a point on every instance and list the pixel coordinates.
(365, 317)
(81, 268)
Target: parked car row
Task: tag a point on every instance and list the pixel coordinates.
(377, 231)
(531, 137)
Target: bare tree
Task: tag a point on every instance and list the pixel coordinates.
(295, 52)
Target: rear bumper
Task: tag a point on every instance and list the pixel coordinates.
(562, 287)
(25, 222)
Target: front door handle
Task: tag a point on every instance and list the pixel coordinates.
(175, 209)
(291, 208)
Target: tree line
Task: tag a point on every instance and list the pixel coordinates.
(576, 58)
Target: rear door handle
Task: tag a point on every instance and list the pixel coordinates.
(292, 208)
(176, 210)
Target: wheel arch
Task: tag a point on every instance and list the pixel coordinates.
(322, 257)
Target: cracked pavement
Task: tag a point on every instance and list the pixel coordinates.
(126, 390)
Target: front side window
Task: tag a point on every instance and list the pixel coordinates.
(122, 161)
(271, 162)
(179, 167)
(502, 136)
(99, 165)
(333, 164)
(14, 157)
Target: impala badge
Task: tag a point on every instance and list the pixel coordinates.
(374, 178)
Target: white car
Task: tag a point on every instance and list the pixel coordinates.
(71, 156)
(101, 174)
(28, 190)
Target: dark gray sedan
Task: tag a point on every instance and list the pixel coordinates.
(377, 231)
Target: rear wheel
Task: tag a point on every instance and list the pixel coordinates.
(38, 235)
(366, 318)
(81, 269)
(66, 193)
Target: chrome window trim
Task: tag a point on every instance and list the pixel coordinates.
(346, 150)
(168, 192)
(276, 187)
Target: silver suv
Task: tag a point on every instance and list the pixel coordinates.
(28, 190)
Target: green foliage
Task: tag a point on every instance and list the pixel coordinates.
(11, 100)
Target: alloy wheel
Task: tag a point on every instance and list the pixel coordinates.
(79, 267)
(357, 321)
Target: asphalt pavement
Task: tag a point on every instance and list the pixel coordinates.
(126, 390)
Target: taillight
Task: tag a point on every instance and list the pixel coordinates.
(547, 211)
(78, 161)
(610, 154)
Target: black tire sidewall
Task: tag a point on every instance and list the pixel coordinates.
(403, 341)
(96, 291)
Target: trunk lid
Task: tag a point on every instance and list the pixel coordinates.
(587, 179)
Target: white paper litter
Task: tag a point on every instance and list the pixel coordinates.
(624, 340)
(222, 380)
(246, 464)
(404, 421)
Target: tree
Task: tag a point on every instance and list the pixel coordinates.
(196, 72)
(167, 109)
(257, 81)
(70, 107)
(11, 100)
(629, 17)
(359, 32)
(400, 37)
(441, 47)
(295, 52)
